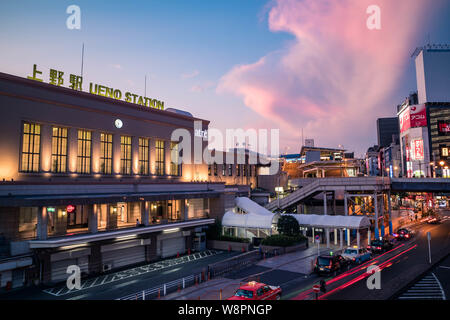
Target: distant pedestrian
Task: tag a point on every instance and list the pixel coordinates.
(137, 223)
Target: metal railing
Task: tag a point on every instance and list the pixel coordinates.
(166, 288)
(234, 264)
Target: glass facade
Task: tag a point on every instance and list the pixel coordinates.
(59, 150)
(31, 147)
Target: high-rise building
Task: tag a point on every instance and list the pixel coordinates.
(386, 129)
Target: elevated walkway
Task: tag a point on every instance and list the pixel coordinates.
(368, 184)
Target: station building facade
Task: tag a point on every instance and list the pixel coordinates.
(95, 182)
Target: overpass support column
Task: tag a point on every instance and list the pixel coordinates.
(358, 239)
(325, 203)
(390, 212)
(341, 238)
(345, 203)
(327, 231)
(312, 240)
(335, 236)
(382, 215)
(377, 234)
(348, 237)
(369, 235)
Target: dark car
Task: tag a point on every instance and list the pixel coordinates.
(383, 245)
(403, 234)
(330, 264)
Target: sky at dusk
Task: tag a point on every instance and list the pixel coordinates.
(282, 64)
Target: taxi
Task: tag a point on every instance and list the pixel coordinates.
(257, 291)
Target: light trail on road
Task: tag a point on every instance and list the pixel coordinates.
(304, 294)
(365, 274)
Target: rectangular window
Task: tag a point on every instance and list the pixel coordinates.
(175, 166)
(250, 170)
(160, 158)
(224, 170)
(230, 170)
(215, 169)
(244, 174)
(31, 147)
(59, 149)
(106, 153)
(143, 156)
(445, 152)
(209, 169)
(238, 170)
(125, 155)
(84, 151)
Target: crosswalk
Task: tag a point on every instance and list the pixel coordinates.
(428, 288)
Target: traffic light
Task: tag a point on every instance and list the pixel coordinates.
(323, 286)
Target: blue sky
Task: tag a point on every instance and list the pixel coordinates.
(184, 48)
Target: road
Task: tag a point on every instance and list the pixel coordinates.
(399, 267)
(121, 283)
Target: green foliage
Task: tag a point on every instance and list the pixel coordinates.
(214, 232)
(288, 226)
(280, 240)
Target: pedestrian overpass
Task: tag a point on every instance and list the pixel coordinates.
(375, 191)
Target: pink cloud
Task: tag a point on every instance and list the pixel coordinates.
(334, 77)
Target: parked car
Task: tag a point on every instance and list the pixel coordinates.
(330, 264)
(404, 234)
(355, 255)
(380, 245)
(257, 291)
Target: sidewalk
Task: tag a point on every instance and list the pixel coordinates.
(299, 262)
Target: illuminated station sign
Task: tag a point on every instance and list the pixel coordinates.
(56, 78)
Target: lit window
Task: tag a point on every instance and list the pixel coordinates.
(106, 153)
(84, 151)
(59, 149)
(175, 166)
(31, 146)
(143, 156)
(445, 152)
(125, 155)
(160, 157)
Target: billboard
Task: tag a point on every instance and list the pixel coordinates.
(413, 117)
(417, 149)
(418, 116)
(443, 128)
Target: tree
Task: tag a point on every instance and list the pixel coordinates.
(288, 225)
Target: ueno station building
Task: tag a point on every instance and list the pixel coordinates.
(92, 181)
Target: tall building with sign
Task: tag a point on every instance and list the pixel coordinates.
(96, 182)
(424, 133)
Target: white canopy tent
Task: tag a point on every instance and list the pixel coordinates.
(250, 215)
(326, 221)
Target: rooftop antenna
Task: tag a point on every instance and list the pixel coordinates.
(82, 59)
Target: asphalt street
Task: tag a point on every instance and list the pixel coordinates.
(123, 287)
(404, 263)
